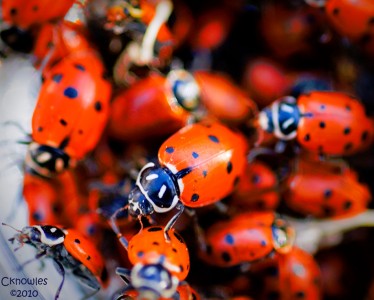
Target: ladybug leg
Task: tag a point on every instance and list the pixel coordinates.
(113, 224)
(121, 292)
(61, 271)
(260, 151)
(36, 257)
(174, 219)
(197, 229)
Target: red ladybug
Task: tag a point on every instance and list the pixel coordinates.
(160, 262)
(294, 275)
(321, 192)
(70, 115)
(257, 188)
(330, 123)
(246, 238)
(158, 105)
(69, 249)
(198, 165)
(25, 13)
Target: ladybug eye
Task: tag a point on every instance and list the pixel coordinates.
(185, 89)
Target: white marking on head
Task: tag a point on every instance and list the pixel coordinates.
(263, 120)
(151, 177)
(277, 131)
(43, 157)
(287, 123)
(287, 108)
(45, 240)
(162, 191)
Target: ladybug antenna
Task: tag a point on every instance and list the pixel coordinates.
(5, 224)
(17, 125)
(113, 224)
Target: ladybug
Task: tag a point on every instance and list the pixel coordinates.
(248, 237)
(198, 165)
(69, 117)
(60, 39)
(353, 19)
(158, 105)
(257, 188)
(320, 191)
(330, 123)
(160, 262)
(25, 13)
(69, 249)
(294, 275)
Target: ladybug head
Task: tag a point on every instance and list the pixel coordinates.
(40, 236)
(156, 190)
(153, 281)
(185, 89)
(281, 118)
(283, 236)
(46, 161)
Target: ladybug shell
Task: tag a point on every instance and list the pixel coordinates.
(61, 39)
(299, 276)
(145, 110)
(257, 188)
(89, 225)
(150, 243)
(42, 200)
(213, 158)
(353, 19)
(72, 109)
(25, 13)
(246, 238)
(223, 99)
(82, 249)
(337, 125)
(326, 194)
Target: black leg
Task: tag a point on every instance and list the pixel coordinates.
(124, 274)
(36, 257)
(113, 224)
(172, 221)
(61, 271)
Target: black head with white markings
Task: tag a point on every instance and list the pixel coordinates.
(185, 89)
(46, 161)
(156, 191)
(153, 281)
(281, 118)
(40, 237)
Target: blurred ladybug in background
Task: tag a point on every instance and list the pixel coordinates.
(26, 16)
(70, 115)
(160, 263)
(158, 105)
(330, 123)
(292, 275)
(198, 165)
(247, 237)
(69, 249)
(316, 189)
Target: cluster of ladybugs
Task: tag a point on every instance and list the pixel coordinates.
(116, 159)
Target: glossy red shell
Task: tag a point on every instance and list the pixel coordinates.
(72, 108)
(146, 246)
(338, 124)
(215, 156)
(147, 109)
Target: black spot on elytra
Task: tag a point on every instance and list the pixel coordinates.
(236, 181)
(194, 197)
(169, 149)
(40, 129)
(322, 124)
(181, 268)
(56, 208)
(98, 106)
(327, 194)
(80, 131)
(156, 243)
(88, 257)
(364, 136)
(213, 138)
(35, 8)
(335, 11)
(255, 178)
(347, 205)
(152, 229)
(347, 130)
(80, 67)
(57, 78)
(13, 11)
(300, 295)
(50, 45)
(37, 216)
(322, 107)
(307, 137)
(263, 243)
(195, 155)
(174, 250)
(226, 256)
(77, 241)
(179, 237)
(348, 146)
(327, 211)
(229, 167)
(205, 172)
(63, 122)
(70, 92)
(348, 107)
